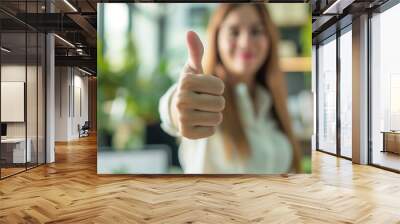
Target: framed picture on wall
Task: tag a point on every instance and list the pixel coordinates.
(12, 101)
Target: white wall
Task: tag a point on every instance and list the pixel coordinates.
(70, 83)
(61, 103)
(80, 89)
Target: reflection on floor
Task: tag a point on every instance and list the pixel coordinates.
(387, 159)
(70, 191)
(10, 171)
(13, 169)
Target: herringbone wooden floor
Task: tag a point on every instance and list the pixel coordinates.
(70, 191)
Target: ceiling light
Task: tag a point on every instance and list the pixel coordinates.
(84, 71)
(79, 51)
(70, 5)
(64, 40)
(338, 6)
(5, 50)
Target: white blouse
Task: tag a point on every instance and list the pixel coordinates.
(271, 152)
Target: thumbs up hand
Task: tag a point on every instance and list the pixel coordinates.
(197, 104)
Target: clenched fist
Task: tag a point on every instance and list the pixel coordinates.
(197, 103)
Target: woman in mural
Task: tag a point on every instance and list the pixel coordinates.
(231, 110)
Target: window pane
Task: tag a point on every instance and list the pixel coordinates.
(345, 94)
(327, 97)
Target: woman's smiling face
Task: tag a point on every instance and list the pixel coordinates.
(242, 42)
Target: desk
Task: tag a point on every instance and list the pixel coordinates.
(13, 150)
(391, 141)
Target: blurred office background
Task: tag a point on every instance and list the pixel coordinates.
(141, 50)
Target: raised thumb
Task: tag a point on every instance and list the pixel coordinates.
(195, 50)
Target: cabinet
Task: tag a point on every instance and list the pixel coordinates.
(391, 142)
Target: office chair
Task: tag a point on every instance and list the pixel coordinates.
(84, 130)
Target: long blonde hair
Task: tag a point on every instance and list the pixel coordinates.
(269, 76)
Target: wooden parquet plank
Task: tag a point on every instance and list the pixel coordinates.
(70, 191)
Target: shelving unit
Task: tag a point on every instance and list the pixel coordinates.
(296, 64)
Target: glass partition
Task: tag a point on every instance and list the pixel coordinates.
(31, 99)
(41, 91)
(22, 88)
(13, 105)
(385, 89)
(327, 96)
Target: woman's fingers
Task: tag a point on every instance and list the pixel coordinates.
(198, 103)
(196, 132)
(207, 119)
(201, 118)
(203, 84)
(201, 102)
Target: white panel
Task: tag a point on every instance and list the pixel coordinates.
(12, 101)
